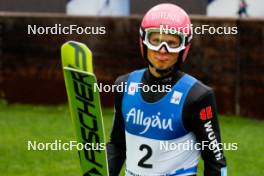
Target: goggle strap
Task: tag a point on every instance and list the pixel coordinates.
(188, 39)
(142, 32)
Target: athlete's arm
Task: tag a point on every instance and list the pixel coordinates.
(202, 121)
(116, 147)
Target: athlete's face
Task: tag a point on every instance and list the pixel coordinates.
(162, 59)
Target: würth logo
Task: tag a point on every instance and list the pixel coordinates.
(206, 113)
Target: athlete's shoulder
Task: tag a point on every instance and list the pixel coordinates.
(121, 78)
(199, 91)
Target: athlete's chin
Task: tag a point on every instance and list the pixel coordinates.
(162, 67)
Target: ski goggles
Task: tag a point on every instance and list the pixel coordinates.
(174, 41)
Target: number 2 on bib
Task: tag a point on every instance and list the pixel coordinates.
(142, 161)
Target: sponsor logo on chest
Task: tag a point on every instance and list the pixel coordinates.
(137, 117)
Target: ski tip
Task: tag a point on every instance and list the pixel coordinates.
(76, 55)
(75, 43)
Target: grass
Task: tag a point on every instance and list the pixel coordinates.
(20, 123)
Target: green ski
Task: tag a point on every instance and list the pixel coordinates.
(85, 108)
